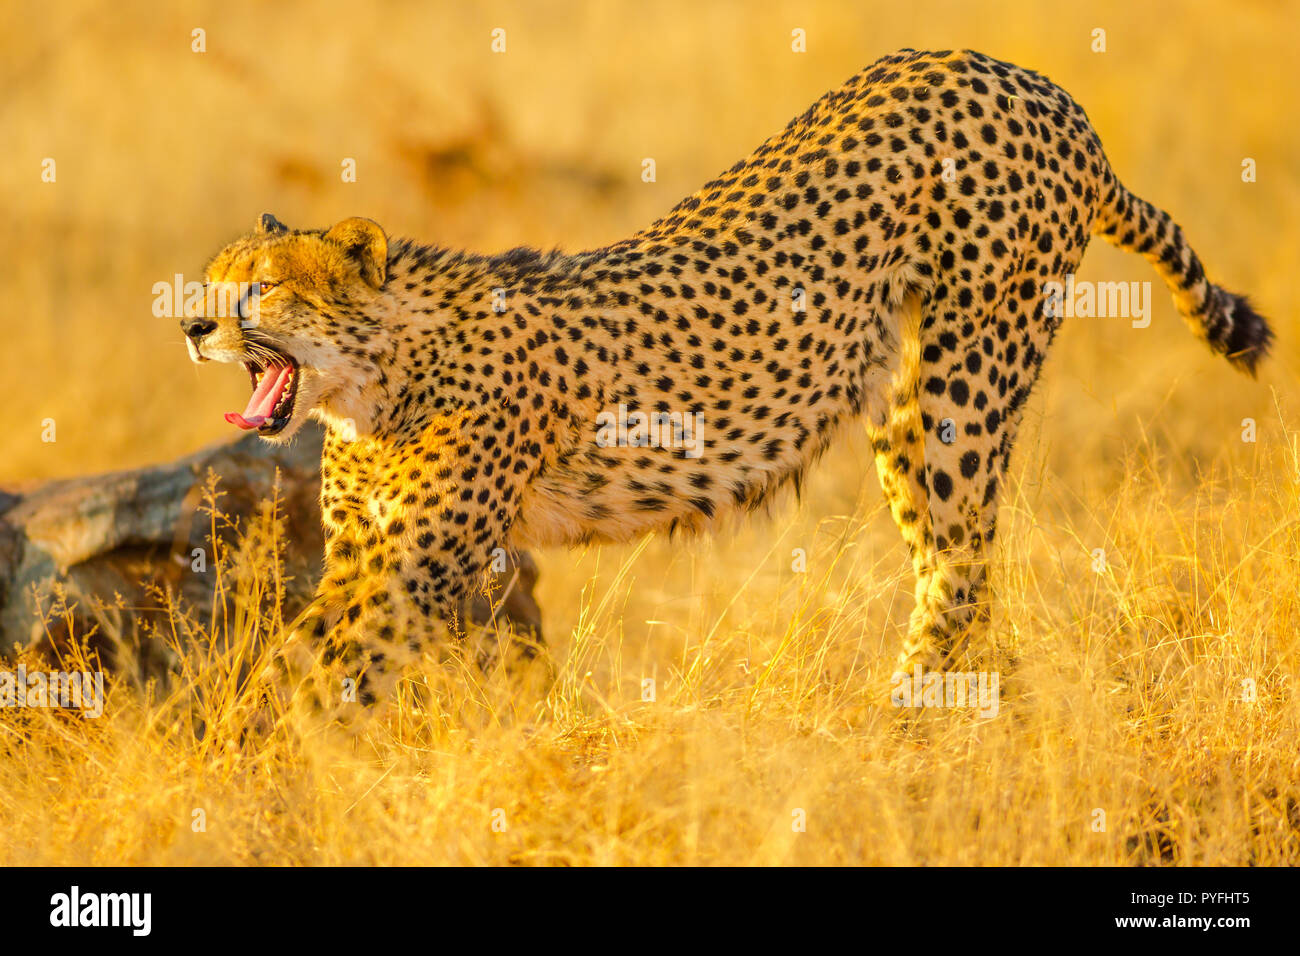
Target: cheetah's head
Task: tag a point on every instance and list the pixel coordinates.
(301, 311)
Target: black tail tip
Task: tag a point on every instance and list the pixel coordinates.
(1249, 336)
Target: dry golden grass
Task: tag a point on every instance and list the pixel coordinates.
(1127, 691)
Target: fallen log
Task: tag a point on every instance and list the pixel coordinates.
(112, 542)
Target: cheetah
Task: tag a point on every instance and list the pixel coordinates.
(884, 257)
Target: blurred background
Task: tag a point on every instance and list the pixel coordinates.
(163, 154)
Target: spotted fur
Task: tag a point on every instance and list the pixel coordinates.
(917, 212)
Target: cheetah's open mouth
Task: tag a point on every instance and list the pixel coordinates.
(275, 385)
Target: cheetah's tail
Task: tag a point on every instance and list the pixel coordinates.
(1223, 319)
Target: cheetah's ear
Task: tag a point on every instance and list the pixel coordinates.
(366, 243)
(268, 225)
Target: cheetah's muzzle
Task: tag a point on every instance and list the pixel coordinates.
(275, 386)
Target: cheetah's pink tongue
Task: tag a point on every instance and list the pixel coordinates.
(265, 397)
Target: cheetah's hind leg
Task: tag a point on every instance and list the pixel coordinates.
(898, 442)
(970, 410)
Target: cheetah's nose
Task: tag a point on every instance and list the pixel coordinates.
(197, 328)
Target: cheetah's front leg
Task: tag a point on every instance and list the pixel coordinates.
(412, 529)
(336, 657)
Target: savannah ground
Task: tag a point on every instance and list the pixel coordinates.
(1151, 715)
